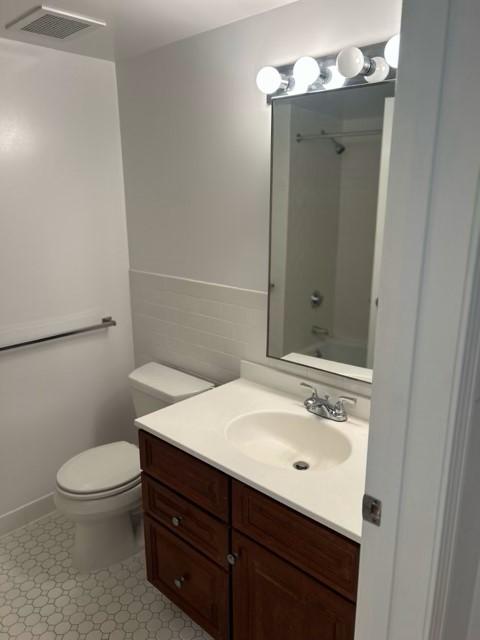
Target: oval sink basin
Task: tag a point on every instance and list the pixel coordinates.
(284, 439)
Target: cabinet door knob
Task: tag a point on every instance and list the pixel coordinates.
(176, 521)
(178, 582)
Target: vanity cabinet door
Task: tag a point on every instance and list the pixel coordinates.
(273, 600)
(319, 551)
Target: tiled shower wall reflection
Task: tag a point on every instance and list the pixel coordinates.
(199, 327)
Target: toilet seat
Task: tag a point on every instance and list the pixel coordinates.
(100, 472)
(98, 495)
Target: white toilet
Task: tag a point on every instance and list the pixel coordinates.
(99, 489)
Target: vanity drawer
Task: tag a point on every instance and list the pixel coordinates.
(200, 529)
(199, 587)
(203, 485)
(324, 554)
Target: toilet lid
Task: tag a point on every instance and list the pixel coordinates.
(100, 469)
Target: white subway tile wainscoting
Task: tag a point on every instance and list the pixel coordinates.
(197, 326)
(42, 597)
(207, 329)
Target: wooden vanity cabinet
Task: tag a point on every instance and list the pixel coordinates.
(324, 554)
(273, 600)
(187, 534)
(193, 525)
(205, 486)
(239, 563)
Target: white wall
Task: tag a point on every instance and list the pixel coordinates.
(64, 263)
(196, 138)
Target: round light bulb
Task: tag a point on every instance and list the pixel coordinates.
(381, 70)
(305, 71)
(351, 62)
(335, 79)
(392, 51)
(269, 80)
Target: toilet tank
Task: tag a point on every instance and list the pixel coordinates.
(155, 386)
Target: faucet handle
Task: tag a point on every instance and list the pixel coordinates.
(315, 392)
(313, 400)
(341, 402)
(309, 386)
(314, 395)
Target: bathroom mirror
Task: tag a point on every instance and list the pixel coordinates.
(330, 158)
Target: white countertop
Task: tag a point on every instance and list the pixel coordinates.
(332, 497)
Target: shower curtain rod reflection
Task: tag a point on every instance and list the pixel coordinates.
(337, 134)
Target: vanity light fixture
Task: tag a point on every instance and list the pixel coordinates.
(329, 78)
(270, 80)
(306, 71)
(392, 51)
(335, 79)
(352, 62)
(352, 66)
(381, 70)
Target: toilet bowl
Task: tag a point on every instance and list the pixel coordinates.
(100, 488)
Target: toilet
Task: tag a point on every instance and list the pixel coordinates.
(99, 489)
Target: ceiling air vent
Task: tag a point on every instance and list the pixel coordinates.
(54, 23)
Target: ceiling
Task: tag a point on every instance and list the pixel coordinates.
(136, 26)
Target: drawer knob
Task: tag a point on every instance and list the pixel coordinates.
(178, 582)
(176, 521)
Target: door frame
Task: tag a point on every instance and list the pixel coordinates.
(426, 312)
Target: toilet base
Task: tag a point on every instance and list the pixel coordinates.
(101, 543)
(106, 528)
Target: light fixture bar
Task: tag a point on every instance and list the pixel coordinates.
(330, 77)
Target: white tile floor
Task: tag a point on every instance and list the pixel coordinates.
(43, 598)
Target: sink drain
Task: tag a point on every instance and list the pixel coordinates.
(301, 465)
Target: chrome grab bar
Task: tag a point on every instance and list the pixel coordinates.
(106, 322)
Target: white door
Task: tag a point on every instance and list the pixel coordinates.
(419, 397)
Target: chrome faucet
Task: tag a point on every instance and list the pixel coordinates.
(321, 406)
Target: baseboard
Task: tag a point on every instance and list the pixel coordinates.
(26, 513)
